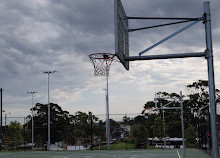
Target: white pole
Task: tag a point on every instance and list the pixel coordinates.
(107, 114)
(182, 122)
(5, 119)
(164, 134)
(32, 120)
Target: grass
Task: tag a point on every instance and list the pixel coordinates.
(124, 146)
(152, 147)
(120, 146)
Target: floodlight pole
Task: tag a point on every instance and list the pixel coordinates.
(32, 120)
(48, 73)
(6, 118)
(209, 57)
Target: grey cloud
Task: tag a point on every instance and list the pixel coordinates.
(59, 35)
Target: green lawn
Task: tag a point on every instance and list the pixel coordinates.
(120, 146)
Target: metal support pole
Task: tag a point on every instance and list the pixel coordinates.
(5, 119)
(107, 115)
(1, 123)
(182, 122)
(24, 133)
(165, 56)
(164, 130)
(32, 129)
(48, 143)
(209, 57)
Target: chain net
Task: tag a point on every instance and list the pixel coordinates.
(101, 63)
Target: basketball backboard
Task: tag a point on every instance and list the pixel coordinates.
(121, 34)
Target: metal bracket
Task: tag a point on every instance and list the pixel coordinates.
(170, 36)
(208, 53)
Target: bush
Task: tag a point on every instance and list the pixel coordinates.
(140, 134)
(38, 141)
(190, 135)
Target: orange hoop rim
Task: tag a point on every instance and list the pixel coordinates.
(101, 63)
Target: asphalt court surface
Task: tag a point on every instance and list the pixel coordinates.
(106, 154)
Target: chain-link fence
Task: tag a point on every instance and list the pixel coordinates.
(13, 133)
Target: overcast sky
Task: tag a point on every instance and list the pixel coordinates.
(42, 35)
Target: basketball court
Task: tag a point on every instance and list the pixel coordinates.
(102, 62)
(151, 153)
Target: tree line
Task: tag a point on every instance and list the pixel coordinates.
(149, 124)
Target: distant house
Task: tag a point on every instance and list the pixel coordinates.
(126, 128)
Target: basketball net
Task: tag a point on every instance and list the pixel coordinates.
(101, 63)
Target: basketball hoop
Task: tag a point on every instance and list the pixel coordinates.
(101, 63)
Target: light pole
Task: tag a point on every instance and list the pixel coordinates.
(6, 117)
(48, 73)
(6, 120)
(32, 129)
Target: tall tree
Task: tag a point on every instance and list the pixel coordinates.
(140, 134)
(60, 122)
(157, 128)
(198, 106)
(190, 135)
(82, 124)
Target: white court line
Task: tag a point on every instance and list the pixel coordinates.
(178, 154)
(3, 154)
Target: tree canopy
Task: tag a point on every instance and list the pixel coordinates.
(86, 126)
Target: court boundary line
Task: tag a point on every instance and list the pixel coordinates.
(178, 154)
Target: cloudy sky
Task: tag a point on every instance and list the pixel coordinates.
(42, 35)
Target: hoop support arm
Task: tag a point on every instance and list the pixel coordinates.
(166, 18)
(170, 36)
(150, 27)
(166, 56)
